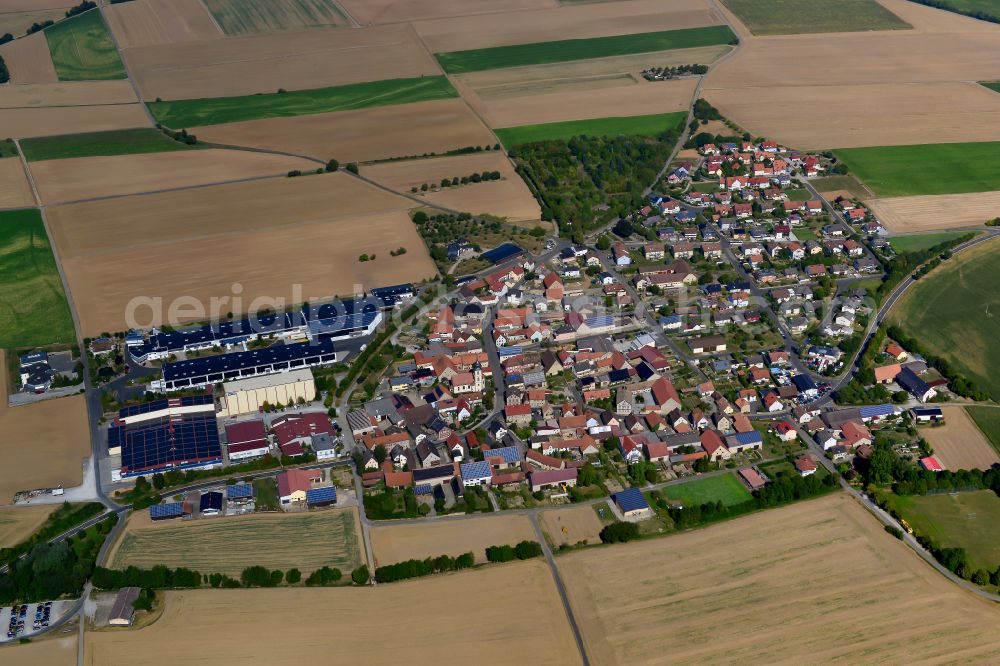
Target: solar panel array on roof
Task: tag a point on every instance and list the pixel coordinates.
(167, 443)
(874, 411)
(513, 350)
(227, 367)
(158, 405)
(423, 489)
(498, 254)
(600, 321)
(476, 470)
(749, 437)
(631, 499)
(170, 510)
(321, 495)
(239, 491)
(510, 454)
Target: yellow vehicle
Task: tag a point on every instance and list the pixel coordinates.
(906, 526)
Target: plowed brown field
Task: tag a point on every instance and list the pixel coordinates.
(959, 443)
(60, 651)
(151, 22)
(944, 211)
(289, 60)
(365, 134)
(46, 121)
(399, 11)
(17, 523)
(59, 181)
(15, 192)
(268, 236)
(28, 60)
(395, 543)
(773, 596)
(74, 93)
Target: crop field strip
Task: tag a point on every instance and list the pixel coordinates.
(227, 545)
(649, 125)
(247, 17)
(93, 144)
(987, 419)
(458, 62)
(790, 17)
(82, 49)
(221, 110)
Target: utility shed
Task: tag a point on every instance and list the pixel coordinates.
(122, 612)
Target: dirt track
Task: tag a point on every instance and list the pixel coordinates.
(773, 588)
(959, 444)
(517, 619)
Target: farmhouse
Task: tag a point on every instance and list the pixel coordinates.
(295, 430)
(918, 388)
(708, 344)
(251, 395)
(293, 485)
(553, 478)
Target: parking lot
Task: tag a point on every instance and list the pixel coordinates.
(25, 620)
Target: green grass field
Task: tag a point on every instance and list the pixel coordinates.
(791, 17)
(214, 111)
(90, 144)
(953, 312)
(969, 520)
(82, 49)
(540, 53)
(799, 194)
(850, 184)
(918, 242)
(629, 126)
(988, 421)
(984, 8)
(724, 487)
(248, 17)
(33, 306)
(939, 168)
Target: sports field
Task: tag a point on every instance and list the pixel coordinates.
(457, 62)
(228, 545)
(918, 242)
(959, 443)
(246, 17)
(517, 619)
(725, 488)
(768, 589)
(987, 419)
(943, 168)
(82, 49)
(650, 125)
(969, 520)
(953, 312)
(33, 306)
(92, 144)
(789, 17)
(215, 111)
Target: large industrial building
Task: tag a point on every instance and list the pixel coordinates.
(178, 433)
(247, 396)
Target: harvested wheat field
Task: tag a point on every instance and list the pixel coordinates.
(67, 93)
(57, 651)
(580, 524)
(43, 444)
(599, 101)
(289, 60)
(395, 543)
(28, 122)
(17, 523)
(269, 236)
(29, 61)
(523, 623)
(400, 11)
(152, 22)
(574, 21)
(508, 197)
(31, 5)
(771, 595)
(228, 545)
(365, 134)
(17, 23)
(60, 181)
(943, 211)
(959, 443)
(15, 192)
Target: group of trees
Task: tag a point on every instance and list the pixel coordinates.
(619, 532)
(4, 72)
(665, 73)
(181, 136)
(417, 568)
(162, 577)
(523, 550)
(463, 180)
(84, 6)
(951, 7)
(957, 382)
(59, 521)
(38, 25)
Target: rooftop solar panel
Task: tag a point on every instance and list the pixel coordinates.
(239, 491)
(318, 495)
(476, 470)
(169, 510)
(423, 489)
(631, 499)
(166, 443)
(510, 454)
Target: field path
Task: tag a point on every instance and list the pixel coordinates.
(570, 617)
(128, 72)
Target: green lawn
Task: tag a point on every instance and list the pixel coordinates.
(939, 168)
(217, 110)
(33, 306)
(969, 520)
(799, 194)
(540, 53)
(790, 17)
(248, 17)
(90, 144)
(629, 126)
(954, 311)
(725, 488)
(82, 49)
(988, 421)
(918, 242)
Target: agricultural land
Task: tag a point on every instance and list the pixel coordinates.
(919, 242)
(154, 22)
(247, 18)
(306, 541)
(988, 421)
(959, 444)
(93, 144)
(896, 600)
(789, 17)
(952, 311)
(15, 191)
(60, 651)
(82, 49)
(395, 543)
(28, 60)
(570, 526)
(19, 523)
(537, 620)
(650, 125)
